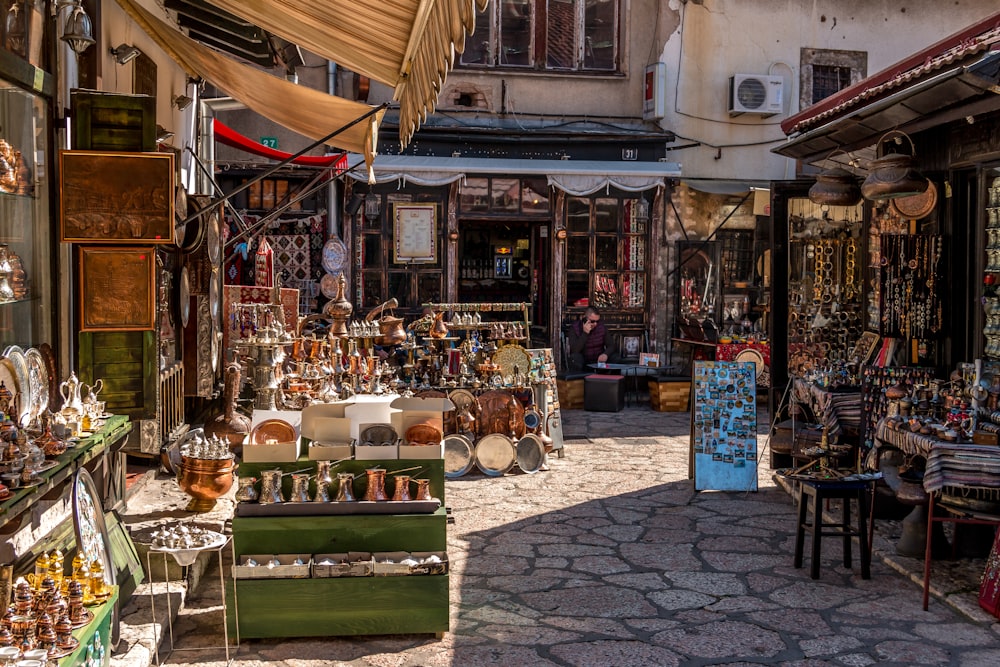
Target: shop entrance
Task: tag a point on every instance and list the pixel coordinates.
(503, 261)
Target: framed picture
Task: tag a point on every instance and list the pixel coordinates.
(651, 359)
(108, 197)
(117, 288)
(631, 346)
(414, 233)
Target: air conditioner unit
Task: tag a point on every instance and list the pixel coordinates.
(756, 93)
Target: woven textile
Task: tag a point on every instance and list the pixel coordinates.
(291, 257)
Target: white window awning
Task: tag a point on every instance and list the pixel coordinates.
(576, 177)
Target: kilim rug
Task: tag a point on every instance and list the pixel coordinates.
(291, 257)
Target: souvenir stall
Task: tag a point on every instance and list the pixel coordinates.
(356, 423)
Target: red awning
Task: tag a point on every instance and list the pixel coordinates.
(230, 137)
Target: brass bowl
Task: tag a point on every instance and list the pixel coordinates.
(205, 480)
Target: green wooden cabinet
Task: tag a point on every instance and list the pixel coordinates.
(318, 607)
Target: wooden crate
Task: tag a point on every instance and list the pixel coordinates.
(570, 394)
(669, 396)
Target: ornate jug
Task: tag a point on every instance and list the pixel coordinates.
(345, 487)
(300, 487)
(402, 490)
(376, 484)
(246, 493)
(70, 392)
(423, 489)
(270, 487)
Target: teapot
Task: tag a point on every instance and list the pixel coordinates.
(70, 392)
(89, 397)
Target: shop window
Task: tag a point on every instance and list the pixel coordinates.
(504, 196)
(606, 252)
(553, 35)
(824, 72)
(269, 193)
(380, 277)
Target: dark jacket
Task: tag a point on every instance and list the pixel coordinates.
(591, 345)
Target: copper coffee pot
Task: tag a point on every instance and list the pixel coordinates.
(389, 326)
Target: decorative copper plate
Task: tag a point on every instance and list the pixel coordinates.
(916, 206)
(500, 412)
(272, 429)
(509, 357)
(530, 452)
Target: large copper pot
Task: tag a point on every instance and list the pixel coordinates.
(205, 480)
(893, 174)
(835, 187)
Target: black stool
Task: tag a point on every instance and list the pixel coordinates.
(814, 492)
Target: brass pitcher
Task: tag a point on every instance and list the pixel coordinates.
(345, 487)
(402, 491)
(323, 482)
(439, 328)
(246, 493)
(270, 487)
(300, 487)
(376, 484)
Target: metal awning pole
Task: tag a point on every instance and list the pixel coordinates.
(288, 160)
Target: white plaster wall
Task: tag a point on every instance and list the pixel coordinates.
(717, 38)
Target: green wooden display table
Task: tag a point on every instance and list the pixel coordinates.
(317, 607)
(94, 638)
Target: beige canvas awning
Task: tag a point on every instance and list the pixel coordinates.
(309, 112)
(409, 45)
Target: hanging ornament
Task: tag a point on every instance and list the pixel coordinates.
(264, 264)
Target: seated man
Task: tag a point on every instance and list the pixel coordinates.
(588, 341)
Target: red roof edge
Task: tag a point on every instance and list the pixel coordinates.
(917, 59)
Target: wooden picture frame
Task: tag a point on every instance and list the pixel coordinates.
(109, 197)
(414, 233)
(117, 288)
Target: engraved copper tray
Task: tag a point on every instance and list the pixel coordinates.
(272, 429)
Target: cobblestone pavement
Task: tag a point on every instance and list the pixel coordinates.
(610, 558)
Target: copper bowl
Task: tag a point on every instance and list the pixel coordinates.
(205, 480)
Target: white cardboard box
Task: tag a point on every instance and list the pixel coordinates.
(330, 451)
(415, 411)
(368, 409)
(318, 411)
(282, 452)
(376, 452)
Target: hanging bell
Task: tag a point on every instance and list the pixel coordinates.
(893, 174)
(835, 187)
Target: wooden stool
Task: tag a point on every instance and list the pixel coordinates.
(814, 492)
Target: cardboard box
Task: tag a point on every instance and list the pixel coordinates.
(412, 411)
(282, 452)
(351, 564)
(319, 411)
(287, 567)
(396, 568)
(376, 452)
(369, 409)
(330, 451)
(421, 451)
(388, 564)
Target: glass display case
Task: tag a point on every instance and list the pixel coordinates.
(717, 286)
(991, 269)
(26, 253)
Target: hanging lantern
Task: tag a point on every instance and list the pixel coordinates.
(893, 174)
(264, 264)
(835, 187)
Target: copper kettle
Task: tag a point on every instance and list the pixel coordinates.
(389, 326)
(893, 174)
(439, 329)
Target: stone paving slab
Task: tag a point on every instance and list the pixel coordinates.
(611, 558)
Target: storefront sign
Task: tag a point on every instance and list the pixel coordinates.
(270, 142)
(414, 233)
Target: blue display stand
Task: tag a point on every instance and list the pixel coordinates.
(724, 426)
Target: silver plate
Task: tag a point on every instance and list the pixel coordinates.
(334, 255)
(530, 453)
(24, 389)
(213, 295)
(184, 297)
(458, 456)
(495, 454)
(38, 374)
(213, 237)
